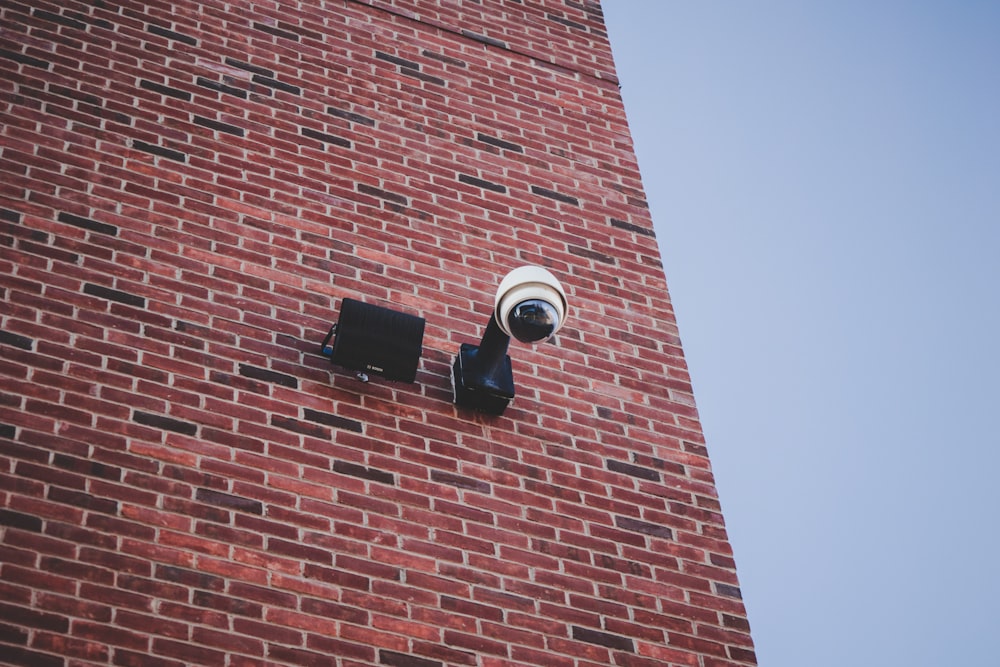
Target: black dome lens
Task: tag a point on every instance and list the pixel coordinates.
(532, 320)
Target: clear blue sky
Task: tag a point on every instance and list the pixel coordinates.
(825, 182)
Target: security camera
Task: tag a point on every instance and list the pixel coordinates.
(530, 306)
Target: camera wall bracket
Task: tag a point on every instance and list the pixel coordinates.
(483, 376)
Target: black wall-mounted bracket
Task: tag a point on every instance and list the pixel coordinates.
(483, 376)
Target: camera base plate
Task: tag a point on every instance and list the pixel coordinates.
(489, 391)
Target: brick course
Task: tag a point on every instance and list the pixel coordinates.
(187, 190)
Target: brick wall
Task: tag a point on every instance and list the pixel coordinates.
(187, 191)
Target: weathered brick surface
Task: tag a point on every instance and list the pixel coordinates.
(187, 190)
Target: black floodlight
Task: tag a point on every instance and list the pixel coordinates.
(373, 339)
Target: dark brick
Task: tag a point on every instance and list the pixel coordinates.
(592, 254)
(660, 464)
(628, 523)
(274, 83)
(382, 194)
(16, 340)
(395, 60)
(567, 22)
(729, 591)
(165, 90)
(552, 194)
(28, 233)
(484, 39)
(190, 578)
(159, 150)
(332, 420)
(16, 655)
(27, 60)
(170, 34)
(7, 431)
(499, 143)
(227, 604)
(633, 470)
(87, 223)
(277, 32)
(82, 500)
(19, 520)
(9, 215)
(114, 295)
(229, 501)
(269, 376)
(74, 94)
(100, 23)
(297, 426)
(48, 251)
(394, 659)
(480, 183)
(219, 126)
(603, 639)
(443, 58)
(460, 481)
(735, 622)
(13, 635)
(248, 67)
(33, 618)
(92, 468)
(57, 18)
(628, 226)
(364, 472)
(694, 448)
(221, 87)
(417, 74)
(351, 116)
(326, 138)
(165, 423)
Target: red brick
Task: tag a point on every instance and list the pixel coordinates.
(479, 644)
(134, 659)
(228, 642)
(70, 647)
(194, 615)
(31, 618)
(305, 622)
(187, 652)
(152, 625)
(530, 656)
(41, 580)
(109, 634)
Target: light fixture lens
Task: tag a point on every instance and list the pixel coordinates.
(533, 320)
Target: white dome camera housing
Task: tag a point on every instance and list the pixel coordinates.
(530, 304)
